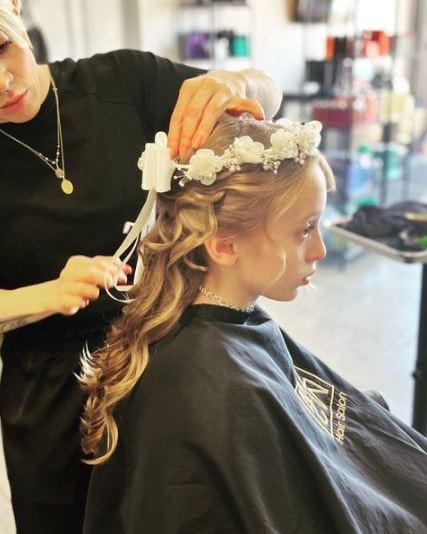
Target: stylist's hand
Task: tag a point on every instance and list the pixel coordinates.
(201, 102)
(81, 279)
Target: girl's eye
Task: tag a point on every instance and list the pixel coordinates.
(307, 231)
(4, 46)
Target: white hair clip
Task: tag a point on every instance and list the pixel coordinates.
(156, 165)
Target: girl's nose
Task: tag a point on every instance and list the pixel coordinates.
(318, 249)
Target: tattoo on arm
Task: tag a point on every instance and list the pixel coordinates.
(12, 323)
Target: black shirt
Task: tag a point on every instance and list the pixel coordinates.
(234, 428)
(110, 105)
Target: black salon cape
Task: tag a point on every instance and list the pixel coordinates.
(234, 428)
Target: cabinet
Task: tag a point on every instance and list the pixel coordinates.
(215, 34)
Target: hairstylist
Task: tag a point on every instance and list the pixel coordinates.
(70, 136)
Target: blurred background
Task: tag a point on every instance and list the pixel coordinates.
(360, 67)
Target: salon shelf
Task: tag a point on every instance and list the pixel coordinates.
(209, 36)
(213, 4)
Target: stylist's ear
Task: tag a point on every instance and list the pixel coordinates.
(221, 250)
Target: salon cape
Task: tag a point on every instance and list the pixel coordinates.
(234, 428)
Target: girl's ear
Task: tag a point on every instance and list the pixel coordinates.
(221, 250)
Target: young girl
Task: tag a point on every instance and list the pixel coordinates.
(211, 418)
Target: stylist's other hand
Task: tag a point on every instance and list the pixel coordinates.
(200, 104)
(81, 279)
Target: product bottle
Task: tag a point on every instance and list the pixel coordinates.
(361, 170)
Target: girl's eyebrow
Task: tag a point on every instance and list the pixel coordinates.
(310, 216)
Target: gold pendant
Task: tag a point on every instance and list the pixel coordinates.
(67, 187)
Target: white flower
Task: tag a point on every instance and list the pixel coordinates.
(284, 144)
(246, 150)
(284, 122)
(204, 165)
(308, 138)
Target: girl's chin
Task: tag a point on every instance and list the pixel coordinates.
(285, 296)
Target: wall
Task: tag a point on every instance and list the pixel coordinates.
(81, 27)
(158, 26)
(76, 28)
(276, 44)
(53, 21)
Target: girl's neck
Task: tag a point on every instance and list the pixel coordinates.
(224, 293)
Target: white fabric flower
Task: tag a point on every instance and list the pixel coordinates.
(308, 138)
(204, 165)
(246, 150)
(284, 144)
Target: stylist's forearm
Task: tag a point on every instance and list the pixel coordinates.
(264, 89)
(26, 305)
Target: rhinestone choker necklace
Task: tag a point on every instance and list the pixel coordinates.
(59, 170)
(216, 299)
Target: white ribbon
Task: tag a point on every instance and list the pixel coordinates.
(157, 168)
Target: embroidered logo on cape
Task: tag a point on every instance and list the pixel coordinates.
(322, 402)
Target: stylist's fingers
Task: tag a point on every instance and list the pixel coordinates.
(186, 115)
(75, 296)
(98, 270)
(200, 104)
(238, 106)
(216, 107)
(82, 278)
(207, 104)
(197, 128)
(188, 88)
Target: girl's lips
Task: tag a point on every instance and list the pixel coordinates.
(15, 102)
(306, 280)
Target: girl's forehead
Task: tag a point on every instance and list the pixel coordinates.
(311, 199)
(314, 193)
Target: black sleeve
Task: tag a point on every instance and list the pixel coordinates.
(155, 83)
(148, 82)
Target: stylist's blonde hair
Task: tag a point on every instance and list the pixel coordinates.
(11, 23)
(175, 263)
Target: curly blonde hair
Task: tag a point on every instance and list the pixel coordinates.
(174, 266)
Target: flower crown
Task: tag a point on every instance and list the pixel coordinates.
(293, 140)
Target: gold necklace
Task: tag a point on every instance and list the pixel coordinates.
(59, 170)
